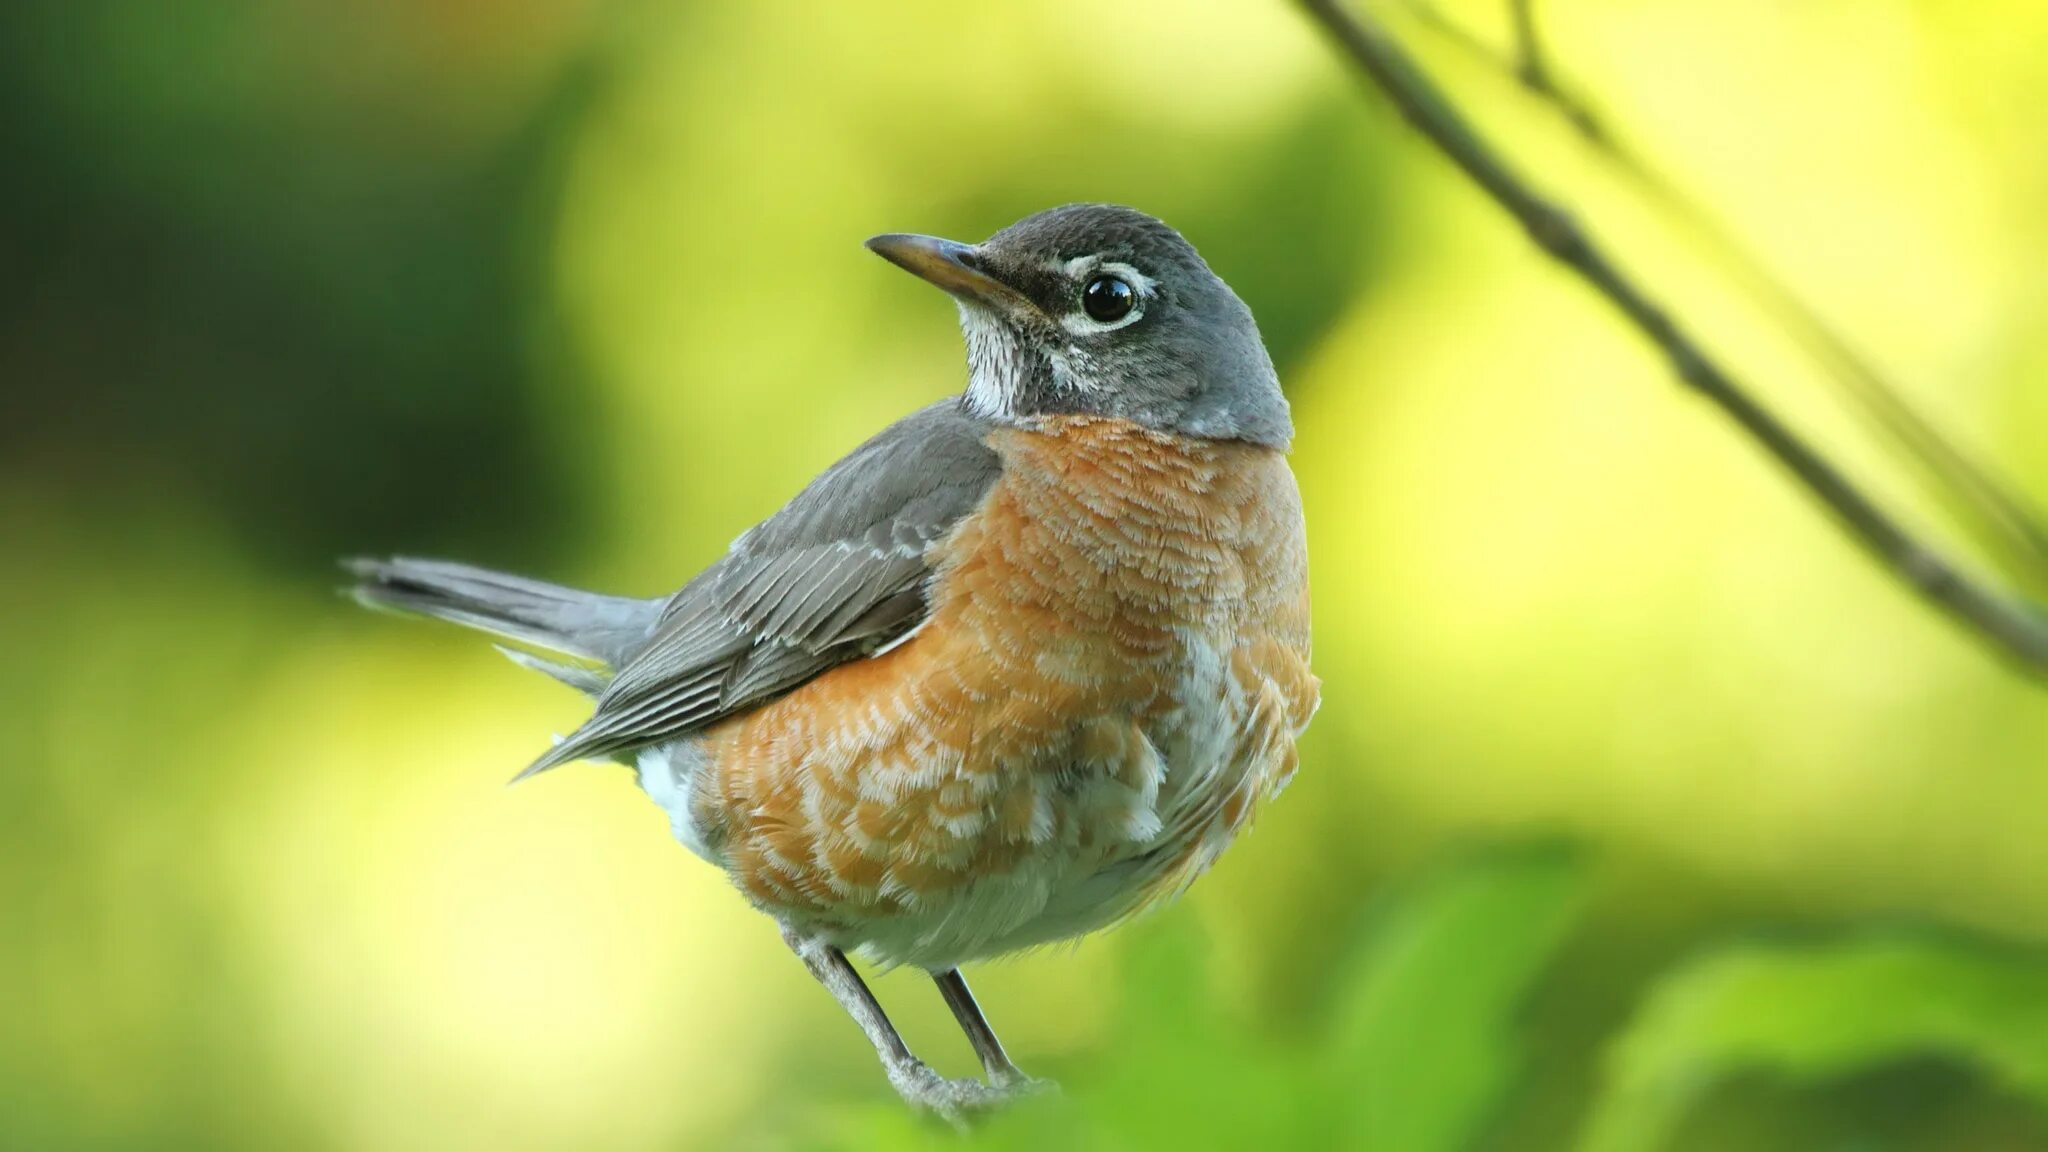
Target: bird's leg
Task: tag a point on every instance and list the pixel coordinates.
(996, 1062)
(913, 1080)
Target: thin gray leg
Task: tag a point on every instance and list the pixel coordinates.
(995, 1061)
(912, 1078)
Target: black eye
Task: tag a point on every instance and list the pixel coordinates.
(1108, 299)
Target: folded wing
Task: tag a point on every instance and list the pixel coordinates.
(836, 575)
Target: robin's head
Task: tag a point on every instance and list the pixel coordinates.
(1103, 310)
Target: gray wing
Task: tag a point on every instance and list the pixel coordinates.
(839, 572)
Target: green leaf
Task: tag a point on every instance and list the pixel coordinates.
(1812, 1014)
(1424, 1047)
(1180, 1071)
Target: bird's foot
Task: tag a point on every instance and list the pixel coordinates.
(957, 1101)
(1016, 1085)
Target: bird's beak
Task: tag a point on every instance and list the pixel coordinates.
(953, 266)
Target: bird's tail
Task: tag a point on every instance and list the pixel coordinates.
(593, 627)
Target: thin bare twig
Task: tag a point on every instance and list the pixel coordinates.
(2001, 517)
(1532, 68)
(2017, 628)
(1529, 65)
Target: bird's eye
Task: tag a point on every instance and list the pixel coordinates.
(1108, 299)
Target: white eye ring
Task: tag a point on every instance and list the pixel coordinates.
(1085, 268)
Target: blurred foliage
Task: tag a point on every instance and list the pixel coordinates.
(575, 286)
(1814, 1014)
(289, 296)
(1424, 1046)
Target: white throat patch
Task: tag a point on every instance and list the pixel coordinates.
(994, 364)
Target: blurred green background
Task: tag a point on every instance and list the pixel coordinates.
(1643, 812)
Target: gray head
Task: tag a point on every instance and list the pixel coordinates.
(1102, 310)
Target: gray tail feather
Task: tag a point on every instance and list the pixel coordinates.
(587, 680)
(584, 624)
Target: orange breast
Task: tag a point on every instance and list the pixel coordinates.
(1115, 668)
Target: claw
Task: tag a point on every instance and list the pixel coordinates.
(1018, 1086)
(958, 1101)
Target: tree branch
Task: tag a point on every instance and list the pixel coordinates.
(1529, 65)
(1985, 501)
(2017, 628)
(1532, 68)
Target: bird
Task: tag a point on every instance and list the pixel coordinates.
(1015, 669)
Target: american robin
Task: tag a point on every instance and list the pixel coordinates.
(1016, 668)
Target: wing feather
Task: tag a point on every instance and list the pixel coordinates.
(840, 572)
